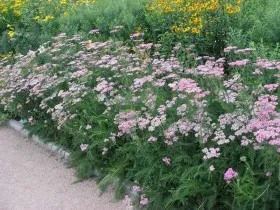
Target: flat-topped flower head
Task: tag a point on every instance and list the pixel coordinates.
(84, 147)
(229, 175)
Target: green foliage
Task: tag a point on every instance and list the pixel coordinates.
(3, 117)
(104, 15)
(258, 22)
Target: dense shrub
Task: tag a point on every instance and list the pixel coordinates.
(198, 134)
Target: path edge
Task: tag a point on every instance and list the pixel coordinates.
(19, 127)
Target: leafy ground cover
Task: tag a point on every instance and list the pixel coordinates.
(191, 122)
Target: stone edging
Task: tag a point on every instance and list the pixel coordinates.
(18, 126)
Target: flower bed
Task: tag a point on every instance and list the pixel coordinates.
(191, 132)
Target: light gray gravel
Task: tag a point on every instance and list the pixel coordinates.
(32, 178)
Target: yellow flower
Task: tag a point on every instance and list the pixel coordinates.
(37, 18)
(183, 9)
(232, 9)
(63, 2)
(169, 9)
(4, 9)
(186, 29)
(175, 28)
(200, 26)
(47, 18)
(138, 29)
(66, 13)
(17, 12)
(195, 31)
(11, 34)
(191, 8)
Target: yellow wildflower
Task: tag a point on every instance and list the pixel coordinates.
(138, 29)
(4, 9)
(186, 29)
(11, 34)
(169, 9)
(195, 31)
(232, 9)
(47, 18)
(37, 18)
(17, 12)
(183, 9)
(63, 2)
(175, 28)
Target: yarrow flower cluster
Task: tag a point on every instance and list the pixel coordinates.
(211, 153)
(144, 200)
(84, 147)
(166, 160)
(230, 175)
(266, 123)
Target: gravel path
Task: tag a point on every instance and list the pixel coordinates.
(32, 178)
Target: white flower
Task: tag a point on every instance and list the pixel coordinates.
(211, 168)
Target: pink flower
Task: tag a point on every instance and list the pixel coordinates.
(78, 74)
(210, 68)
(265, 125)
(88, 127)
(84, 147)
(119, 27)
(188, 85)
(94, 31)
(136, 188)
(152, 139)
(230, 49)
(132, 36)
(114, 31)
(144, 200)
(244, 51)
(105, 150)
(271, 87)
(268, 174)
(126, 126)
(239, 63)
(166, 160)
(142, 123)
(211, 153)
(230, 174)
(257, 72)
(127, 201)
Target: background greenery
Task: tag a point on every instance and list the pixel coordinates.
(257, 22)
